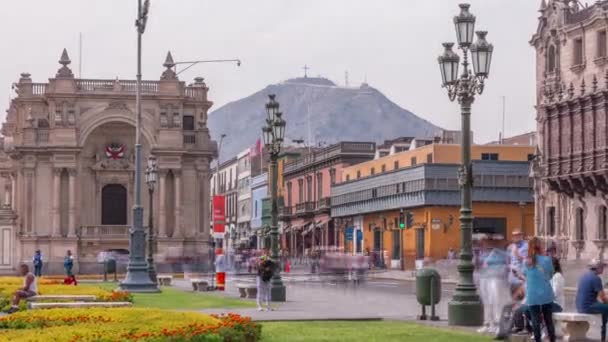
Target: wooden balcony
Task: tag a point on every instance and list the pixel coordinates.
(305, 209)
(285, 213)
(324, 205)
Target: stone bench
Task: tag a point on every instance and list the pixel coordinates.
(78, 305)
(164, 280)
(247, 290)
(199, 284)
(574, 325)
(68, 298)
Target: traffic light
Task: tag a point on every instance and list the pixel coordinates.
(401, 220)
(410, 219)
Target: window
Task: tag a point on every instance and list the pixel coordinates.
(300, 190)
(319, 186)
(332, 176)
(580, 224)
(413, 161)
(358, 174)
(551, 60)
(601, 43)
(374, 193)
(489, 156)
(396, 244)
(602, 233)
(551, 221)
(347, 178)
(372, 171)
(188, 124)
(383, 168)
(429, 158)
(396, 165)
(490, 225)
(578, 51)
(309, 188)
(289, 194)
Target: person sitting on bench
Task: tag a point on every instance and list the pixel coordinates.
(590, 296)
(29, 289)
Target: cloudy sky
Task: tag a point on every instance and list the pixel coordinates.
(394, 43)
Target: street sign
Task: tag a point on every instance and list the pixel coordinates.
(349, 233)
(359, 235)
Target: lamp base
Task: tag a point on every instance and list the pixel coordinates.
(466, 314)
(278, 293)
(138, 280)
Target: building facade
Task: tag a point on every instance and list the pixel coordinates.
(367, 209)
(68, 166)
(307, 182)
(224, 183)
(243, 215)
(571, 179)
(259, 193)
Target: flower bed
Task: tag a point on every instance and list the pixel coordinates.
(125, 324)
(8, 286)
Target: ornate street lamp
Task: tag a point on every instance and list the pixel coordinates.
(466, 308)
(274, 133)
(137, 278)
(151, 174)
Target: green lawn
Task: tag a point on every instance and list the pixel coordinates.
(171, 298)
(368, 331)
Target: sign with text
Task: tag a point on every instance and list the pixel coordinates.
(359, 235)
(219, 214)
(349, 233)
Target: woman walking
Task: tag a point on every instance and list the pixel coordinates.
(538, 272)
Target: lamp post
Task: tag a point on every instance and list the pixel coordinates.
(137, 278)
(465, 308)
(274, 132)
(151, 181)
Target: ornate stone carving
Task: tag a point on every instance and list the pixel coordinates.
(64, 71)
(169, 74)
(116, 105)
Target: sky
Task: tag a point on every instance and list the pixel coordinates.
(393, 44)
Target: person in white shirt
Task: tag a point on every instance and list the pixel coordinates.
(557, 283)
(29, 289)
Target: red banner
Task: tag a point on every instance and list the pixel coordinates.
(219, 214)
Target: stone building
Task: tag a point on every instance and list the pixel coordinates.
(570, 171)
(68, 167)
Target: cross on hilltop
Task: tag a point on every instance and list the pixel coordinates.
(306, 68)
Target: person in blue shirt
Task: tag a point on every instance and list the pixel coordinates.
(518, 251)
(538, 271)
(590, 295)
(38, 264)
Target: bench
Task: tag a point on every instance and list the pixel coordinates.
(247, 290)
(73, 305)
(69, 298)
(164, 280)
(199, 285)
(574, 325)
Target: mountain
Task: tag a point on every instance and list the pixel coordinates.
(316, 106)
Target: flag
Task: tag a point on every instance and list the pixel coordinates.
(257, 148)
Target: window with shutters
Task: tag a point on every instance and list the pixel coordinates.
(578, 51)
(601, 43)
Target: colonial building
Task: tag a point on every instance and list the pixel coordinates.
(68, 163)
(366, 205)
(306, 193)
(259, 199)
(571, 179)
(243, 215)
(224, 183)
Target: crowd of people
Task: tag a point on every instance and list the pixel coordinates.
(522, 286)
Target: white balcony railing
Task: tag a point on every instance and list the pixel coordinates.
(104, 231)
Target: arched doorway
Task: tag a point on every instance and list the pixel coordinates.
(114, 205)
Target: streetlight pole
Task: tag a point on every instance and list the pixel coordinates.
(137, 278)
(151, 181)
(274, 133)
(465, 308)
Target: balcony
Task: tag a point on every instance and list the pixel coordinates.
(189, 139)
(285, 213)
(357, 150)
(324, 204)
(103, 232)
(305, 208)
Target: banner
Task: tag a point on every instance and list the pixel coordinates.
(219, 214)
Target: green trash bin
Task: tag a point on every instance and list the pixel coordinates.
(428, 290)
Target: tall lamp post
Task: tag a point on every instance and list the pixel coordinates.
(274, 132)
(465, 308)
(137, 278)
(151, 181)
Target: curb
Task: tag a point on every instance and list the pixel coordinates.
(360, 319)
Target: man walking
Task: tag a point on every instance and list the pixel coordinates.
(266, 269)
(590, 296)
(38, 264)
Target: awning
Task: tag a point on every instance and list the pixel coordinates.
(286, 229)
(321, 223)
(307, 228)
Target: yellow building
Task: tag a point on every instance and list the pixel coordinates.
(425, 184)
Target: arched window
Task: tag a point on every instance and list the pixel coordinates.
(551, 59)
(580, 225)
(602, 232)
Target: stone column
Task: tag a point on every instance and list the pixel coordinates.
(7, 192)
(162, 213)
(56, 201)
(13, 191)
(203, 228)
(72, 203)
(177, 176)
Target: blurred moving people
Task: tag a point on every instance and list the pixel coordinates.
(266, 269)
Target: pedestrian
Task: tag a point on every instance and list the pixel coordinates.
(590, 295)
(451, 254)
(266, 270)
(38, 263)
(558, 283)
(29, 289)
(518, 250)
(68, 264)
(538, 271)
